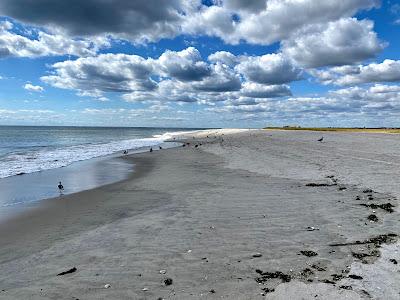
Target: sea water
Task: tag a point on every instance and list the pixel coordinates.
(32, 149)
(33, 159)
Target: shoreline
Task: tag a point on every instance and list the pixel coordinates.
(76, 177)
(219, 217)
(75, 203)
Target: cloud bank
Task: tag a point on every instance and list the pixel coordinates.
(316, 42)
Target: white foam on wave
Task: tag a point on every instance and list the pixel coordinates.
(45, 159)
(174, 134)
(202, 133)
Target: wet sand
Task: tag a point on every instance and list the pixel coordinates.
(79, 176)
(244, 215)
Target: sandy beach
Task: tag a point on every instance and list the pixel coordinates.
(235, 214)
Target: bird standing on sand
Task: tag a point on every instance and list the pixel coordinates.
(160, 147)
(60, 187)
(151, 149)
(321, 139)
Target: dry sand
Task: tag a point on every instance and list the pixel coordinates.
(226, 219)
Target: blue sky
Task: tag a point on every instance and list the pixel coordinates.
(200, 64)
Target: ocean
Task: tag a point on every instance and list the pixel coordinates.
(32, 149)
(80, 157)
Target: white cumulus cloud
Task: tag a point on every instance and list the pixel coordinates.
(33, 88)
(341, 42)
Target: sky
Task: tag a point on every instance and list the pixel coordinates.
(193, 63)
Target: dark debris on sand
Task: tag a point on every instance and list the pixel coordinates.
(356, 277)
(337, 277)
(306, 272)
(328, 281)
(373, 218)
(72, 270)
(308, 253)
(318, 268)
(168, 281)
(313, 184)
(346, 287)
(364, 256)
(389, 238)
(268, 290)
(265, 276)
(365, 293)
(386, 206)
(371, 252)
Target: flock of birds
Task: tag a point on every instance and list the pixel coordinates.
(61, 187)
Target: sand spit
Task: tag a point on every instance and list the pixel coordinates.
(249, 214)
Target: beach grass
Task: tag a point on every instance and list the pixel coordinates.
(339, 129)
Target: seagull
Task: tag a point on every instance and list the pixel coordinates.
(60, 187)
(321, 139)
(160, 147)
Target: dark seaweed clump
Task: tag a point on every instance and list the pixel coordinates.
(387, 206)
(352, 276)
(389, 238)
(265, 276)
(308, 253)
(313, 184)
